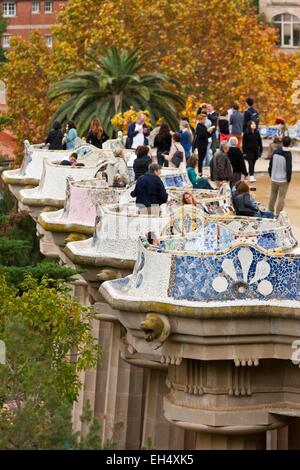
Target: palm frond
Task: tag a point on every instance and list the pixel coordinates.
(117, 73)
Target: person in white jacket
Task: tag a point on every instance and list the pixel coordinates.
(117, 167)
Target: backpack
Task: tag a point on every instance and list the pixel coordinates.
(254, 116)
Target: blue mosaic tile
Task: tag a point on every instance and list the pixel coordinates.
(139, 281)
(141, 263)
(120, 284)
(244, 273)
(267, 240)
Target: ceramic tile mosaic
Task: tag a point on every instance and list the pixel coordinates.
(185, 219)
(242, 273)
(176, 181)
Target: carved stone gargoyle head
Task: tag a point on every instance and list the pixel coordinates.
(108, 274)
(156, 329)
(75, 237)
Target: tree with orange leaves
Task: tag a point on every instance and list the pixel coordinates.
(217, 49)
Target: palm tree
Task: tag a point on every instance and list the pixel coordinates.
(113, 86)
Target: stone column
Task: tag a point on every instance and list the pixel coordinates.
(158, 433)
(209, 441)
(279, 439)
(294, 435)
(119, 389)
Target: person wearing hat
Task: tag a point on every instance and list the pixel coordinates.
(237, 161)
(202, 134)
(282, 128)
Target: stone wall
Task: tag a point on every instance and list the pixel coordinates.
(272, 8)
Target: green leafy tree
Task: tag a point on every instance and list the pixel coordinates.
(116, 83)
(48, 341)
(19, 248)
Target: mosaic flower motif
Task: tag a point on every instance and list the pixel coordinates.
(241, 281)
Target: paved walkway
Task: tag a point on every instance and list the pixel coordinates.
(262, 165)
(292, 202)
(263, 188)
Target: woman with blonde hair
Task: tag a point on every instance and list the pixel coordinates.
(96, 135)
(188, 199)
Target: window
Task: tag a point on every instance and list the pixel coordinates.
(5, 41)
(48, 7)
(9, 9)
(289, 30)
(48, 41)
(35, 7)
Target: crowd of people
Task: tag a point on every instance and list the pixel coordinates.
(59, 140)
(228, 144)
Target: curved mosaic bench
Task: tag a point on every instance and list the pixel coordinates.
(242, 274)
(183, 220)
(115, 240)
(79, 212)
(269, 132)
(175, 179)
(215, 236)
(188, 218)
(52, 187)
(209, 201)
(113, 144)
(32, 166)
(239, 223)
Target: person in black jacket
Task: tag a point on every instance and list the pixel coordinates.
(223, 124)
(55, 137)
(202, 134)
(213, 116)
(149, 191)
(237, 160)
(96, 135)
(142, 161)
(252, 147)
(163, 142)
(251, 114)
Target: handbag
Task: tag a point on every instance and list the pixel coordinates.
(177, 158)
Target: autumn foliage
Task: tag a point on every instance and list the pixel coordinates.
(26, 74)
(217, 49)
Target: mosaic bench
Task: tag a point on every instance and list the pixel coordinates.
(32, 166)
(79, 212)
(115, 240)
(51, 190)
(243, 272)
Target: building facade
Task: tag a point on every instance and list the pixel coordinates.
(25, 16)
(285, 14)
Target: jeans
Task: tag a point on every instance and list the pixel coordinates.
(278, 190)
(208, 154)
(265, 214)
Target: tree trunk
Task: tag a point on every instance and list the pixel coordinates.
(118, 103)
